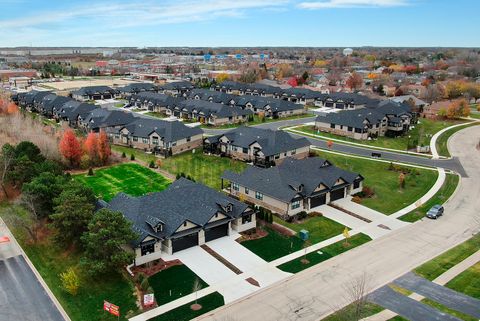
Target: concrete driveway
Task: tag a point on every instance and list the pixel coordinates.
(231, 285)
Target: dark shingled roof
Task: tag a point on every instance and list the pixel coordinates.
(282, 182)
(101, 118)
(92, 90)
(183, 201)
(276, 105)
(135, 88)
(208, 109)
(156, 99)
(170, 131)
(272, 141)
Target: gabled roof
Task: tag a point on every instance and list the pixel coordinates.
(101, 118)
(213, 96)
(177, 85)
(352, 118)
(282, 182)
(169, 131)
(137, 87)
(81, 110)
(272, 141)
(212, 109)
(92, 90)
(182, 201)
(276, 105)
(156, 99)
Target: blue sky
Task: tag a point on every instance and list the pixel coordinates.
(240, 23)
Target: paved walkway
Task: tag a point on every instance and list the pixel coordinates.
(443, 279)
(443, 295)
(407, 307)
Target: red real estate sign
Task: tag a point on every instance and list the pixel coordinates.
(111, 308)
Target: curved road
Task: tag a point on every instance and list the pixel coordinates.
(320, 290)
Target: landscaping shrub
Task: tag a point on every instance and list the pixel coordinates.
(357, 199)
(302, 215)
(124, 155)
(144, 285)
(152, 164)
(70, 281)
(90, 172)
(132, 157)
(140, 277)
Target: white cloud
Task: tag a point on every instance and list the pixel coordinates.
(326, 4)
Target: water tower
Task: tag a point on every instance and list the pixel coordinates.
(347, 51)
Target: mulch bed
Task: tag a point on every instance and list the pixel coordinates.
(259, 233)
(155, 267)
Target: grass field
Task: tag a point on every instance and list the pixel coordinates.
(184, 313)
(320, 228)
(327, 252)
(447, 189)
(447, 310)
(468, 282)
(422, 133)
(347, 312)
(51, 260)
(205, 169)
(442, 141)
(130, 178)
(389, 197)
(173, 283)
(442, 263)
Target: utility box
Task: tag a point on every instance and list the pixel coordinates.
(303, 235)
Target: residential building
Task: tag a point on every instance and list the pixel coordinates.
(185, 215)
(263, 147)
(95, 93)
(293, 186)
(209, 113)
(154, 101)
(136, 88)
(163, 138)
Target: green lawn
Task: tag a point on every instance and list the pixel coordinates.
(348, 312)
(258, 121)
(274, 245)
(444, 309)
(130, 178)
(206, 169)
(173, 283)
(184, 313)
(442, 263)
(155, 114)
(51, 260)
(447, 189)
(327, 252)
(389, 197)
(475, 115)
(443, 139)
(421, 134)
(320, 228)
(398, 318)
(467, 282)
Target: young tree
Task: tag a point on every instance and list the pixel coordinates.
(222, 77)
(71, 217)
(7, 156)
(90, 146)
(42, 190)
(70, 281)
(401, 180)
(104, 151)
(70, 147)
(197, 286)
(104, 241)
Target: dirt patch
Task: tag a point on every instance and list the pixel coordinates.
(195, 307)
(305, 261)
(154, 267)
(252, 281)
(258, 234)
(12, 193)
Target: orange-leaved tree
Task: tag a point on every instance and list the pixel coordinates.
(70, 147)
(104, 150)
(90, 146)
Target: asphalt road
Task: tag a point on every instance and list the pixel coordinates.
(443, 295)
(407, 307)
(316, 292)
(22, 297)
(452, 164)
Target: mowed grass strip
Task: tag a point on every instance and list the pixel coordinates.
(324, 253)
(467, 282)
(444, 262)
(389, 197)
(185, 313)
(443, 194)
(129, 178)
(320, 228)
(442, 141)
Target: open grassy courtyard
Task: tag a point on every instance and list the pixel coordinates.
(173, 283)
(129, 178)
(389, 197)
(420, 134)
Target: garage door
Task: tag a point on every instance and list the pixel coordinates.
(318, 200)
(216, 232)
(337, 194)
(185, 242)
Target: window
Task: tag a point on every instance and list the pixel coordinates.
(135, 138)
(155, 140)
(246, 219)
(295, 204)
(356, 184)
(341, 126)
(235, 187)
(245, 150)
(247, 191)
(145, 140)
(258, 196)
(350, 128)
(332, 126)
(277, 156)
(185, 223)
(293, 152)
(285, 154)
(358, 130)
(189, 139)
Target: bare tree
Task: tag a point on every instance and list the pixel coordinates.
(356, 294)
(7, 156)
(27, 219)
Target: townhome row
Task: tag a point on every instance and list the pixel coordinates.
(387, 119)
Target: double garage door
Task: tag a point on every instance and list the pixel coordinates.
(191, 240)
(318, 200)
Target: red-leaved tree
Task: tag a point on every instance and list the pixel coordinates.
(90, 146)
(12, 108)
(70, 148)
(104, 150)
